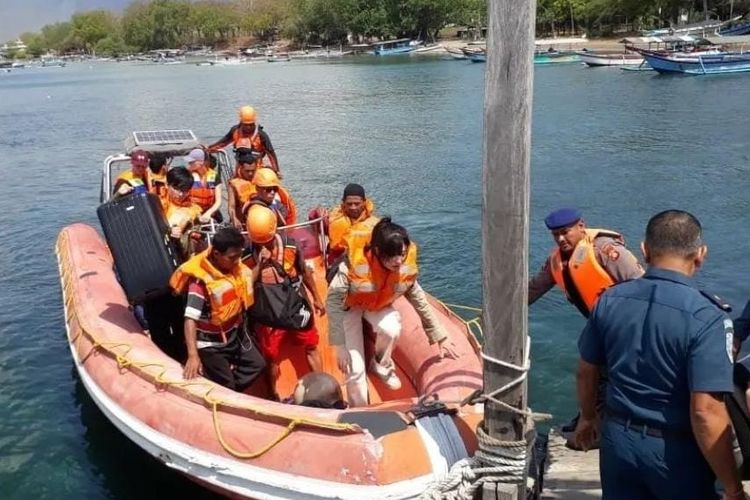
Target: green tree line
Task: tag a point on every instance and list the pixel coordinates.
(160, 24)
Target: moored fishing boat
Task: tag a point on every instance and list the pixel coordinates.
(457, 54)
(595, 58)
(392, 47)
(243, 445)
(555, 57)
(689, 64)
(475, 54)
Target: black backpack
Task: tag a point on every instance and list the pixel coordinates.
(283, 304)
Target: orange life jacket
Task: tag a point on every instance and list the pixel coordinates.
(340, 224)
(229, 294)
(244, 190)
(181, 215)
(157, 184)
(138, 183)
(372, 287)
(203, 192)
(588, 276)
(253, 141)
(283, 206)
(283, 253)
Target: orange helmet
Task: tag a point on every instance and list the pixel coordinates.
(248, 115)
(266, 177)
(261, 224)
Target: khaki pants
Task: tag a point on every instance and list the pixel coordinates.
(387, 326)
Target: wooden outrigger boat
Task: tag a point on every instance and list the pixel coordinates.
(243, 445)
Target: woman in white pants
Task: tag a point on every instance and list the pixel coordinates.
(379, 268)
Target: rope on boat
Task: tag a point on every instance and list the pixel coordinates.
(120, 352)
(495, 461)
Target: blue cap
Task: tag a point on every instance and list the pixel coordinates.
(562, 217)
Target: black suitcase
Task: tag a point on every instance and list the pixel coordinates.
(138, 237)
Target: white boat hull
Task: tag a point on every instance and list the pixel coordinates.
(610, 59)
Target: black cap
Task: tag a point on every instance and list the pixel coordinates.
(354, 190)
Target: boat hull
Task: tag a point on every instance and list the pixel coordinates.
(621, 59)
(207, 432)
(701, 65)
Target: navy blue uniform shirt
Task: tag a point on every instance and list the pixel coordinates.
(660, 339)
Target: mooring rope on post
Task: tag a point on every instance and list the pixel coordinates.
(495, 461)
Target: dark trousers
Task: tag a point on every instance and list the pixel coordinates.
(236, 364)
(634, 465)
(166, 320)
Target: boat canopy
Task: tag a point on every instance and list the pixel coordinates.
(729, 40)
(666, 39)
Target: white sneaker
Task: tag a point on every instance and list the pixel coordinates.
(387, 374)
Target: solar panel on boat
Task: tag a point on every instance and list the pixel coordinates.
(163, 137)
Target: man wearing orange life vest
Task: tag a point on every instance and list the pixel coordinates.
(248, 134)
(219, 290)
(379, 269)
(270, 193)
(268, 247)
(241, 187)
(134, 180)
(206, 191)
(355, 209)
(584, 263)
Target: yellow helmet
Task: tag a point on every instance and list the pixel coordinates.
(266, 177)
(248, 115)
(261, 224)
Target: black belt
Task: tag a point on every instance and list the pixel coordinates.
(641, 427)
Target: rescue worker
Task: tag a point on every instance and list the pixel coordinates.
(667, 347)
(378, 270)
(157, 176)
(318, 390)
(269, 246)
(135, 179)
(248, 134)
(270, 193)
(355, 209)
(241, 188)
(206, 191)
(598, 256)
(219, 290)
(179, 209)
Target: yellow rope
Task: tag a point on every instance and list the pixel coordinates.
(459, 306)
(120, 352)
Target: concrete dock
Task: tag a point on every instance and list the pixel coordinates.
(570, 474)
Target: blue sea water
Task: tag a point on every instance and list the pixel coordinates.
(621, 146)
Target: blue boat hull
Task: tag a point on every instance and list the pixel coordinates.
(741, 29)
(702, 65)
(390, 52)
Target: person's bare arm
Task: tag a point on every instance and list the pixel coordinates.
(193, 366)
(541, 283)
(713, 432)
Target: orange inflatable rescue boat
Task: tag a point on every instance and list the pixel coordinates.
(245, 446)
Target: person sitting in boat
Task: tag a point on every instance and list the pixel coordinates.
(134, 180)
(206, 191)
(157, 175)
(378, 269)
(248, 134)
(219, 290)
(318, 390)
(270, 193)
(274, 257)
(179, 209)
(241, 187)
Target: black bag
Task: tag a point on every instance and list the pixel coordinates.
(137, 234)
(281, 305)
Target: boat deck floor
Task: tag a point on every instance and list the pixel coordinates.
(574, 475)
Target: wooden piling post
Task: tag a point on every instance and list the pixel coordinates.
(505, 233)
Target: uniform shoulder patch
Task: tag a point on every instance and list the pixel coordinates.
(716, 300)
(729, 338)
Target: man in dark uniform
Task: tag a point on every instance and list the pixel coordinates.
(248, 134)
(584, 263)
(667, 348)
